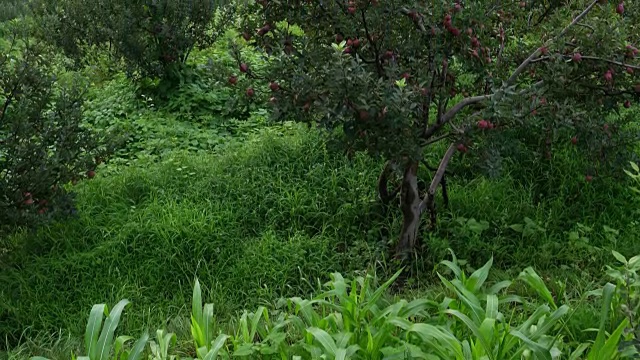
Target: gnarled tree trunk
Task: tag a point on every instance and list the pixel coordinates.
(410, 207)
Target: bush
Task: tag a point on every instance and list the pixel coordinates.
(154, 38)
(44, 144)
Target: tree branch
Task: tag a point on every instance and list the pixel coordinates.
(427, 201)
(538, 51)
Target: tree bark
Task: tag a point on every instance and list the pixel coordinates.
(410, 206)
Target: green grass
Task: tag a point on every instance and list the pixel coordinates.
(250, 224)
(268, 216)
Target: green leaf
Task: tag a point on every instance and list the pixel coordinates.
(533, 279)
(475, 281)
(93, 328)
(207, 322)
(196, 304)
(103, 347)
(324, 339)
(138, 347)
(119, 344)
(619, 257)
(219, 342)
(540, 351)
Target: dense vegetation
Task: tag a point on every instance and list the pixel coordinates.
(248, 178)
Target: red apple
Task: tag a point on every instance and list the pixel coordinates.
(491, 125)
(523, 4)
(356, 42)
(388, 54)
(364, 115)
(627, 104)
(349, 42)
(608, 76)
(28, 201)
(577, 57)
(347, 50)
(27, 195)
(351, 10)
(42, 211)
(339, 38)
(233, 80)
(544, 50)
(483, 124)
(406, 76)
(474, 42)
(588, 178)
(630, 70)
(469, 31)
(574, 140)
(620, 8)
(454, 31)
(274, 86)
(457, 7)
(91, 174)
(244, 67)
(250, 92)
(462, 148)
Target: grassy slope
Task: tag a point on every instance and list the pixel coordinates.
(254, 223)
(249, 224)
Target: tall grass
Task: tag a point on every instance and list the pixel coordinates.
(266, 217)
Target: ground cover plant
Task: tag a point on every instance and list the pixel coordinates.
(354, 319)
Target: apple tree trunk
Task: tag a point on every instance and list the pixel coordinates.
(410, 207)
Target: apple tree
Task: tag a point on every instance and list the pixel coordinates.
(44, 144)
(154, 37)
(395, 78)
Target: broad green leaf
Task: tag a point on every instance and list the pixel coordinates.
(255, 320)
(496, 288)
(93, 328)
(533, 279)
(540, 351)
(474, 329)
(103, 347)
(207, 322)
(138, 347)
(219, 342)
(119, 344)
(196, 304)
(324, 339)
(577, 353)
(619, 257)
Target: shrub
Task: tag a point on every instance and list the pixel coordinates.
(398, 77)
(155, 38)
(43, 143)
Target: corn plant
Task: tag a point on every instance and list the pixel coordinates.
(160, 350)
(483, 331)
(99, 338)
(207, 347)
